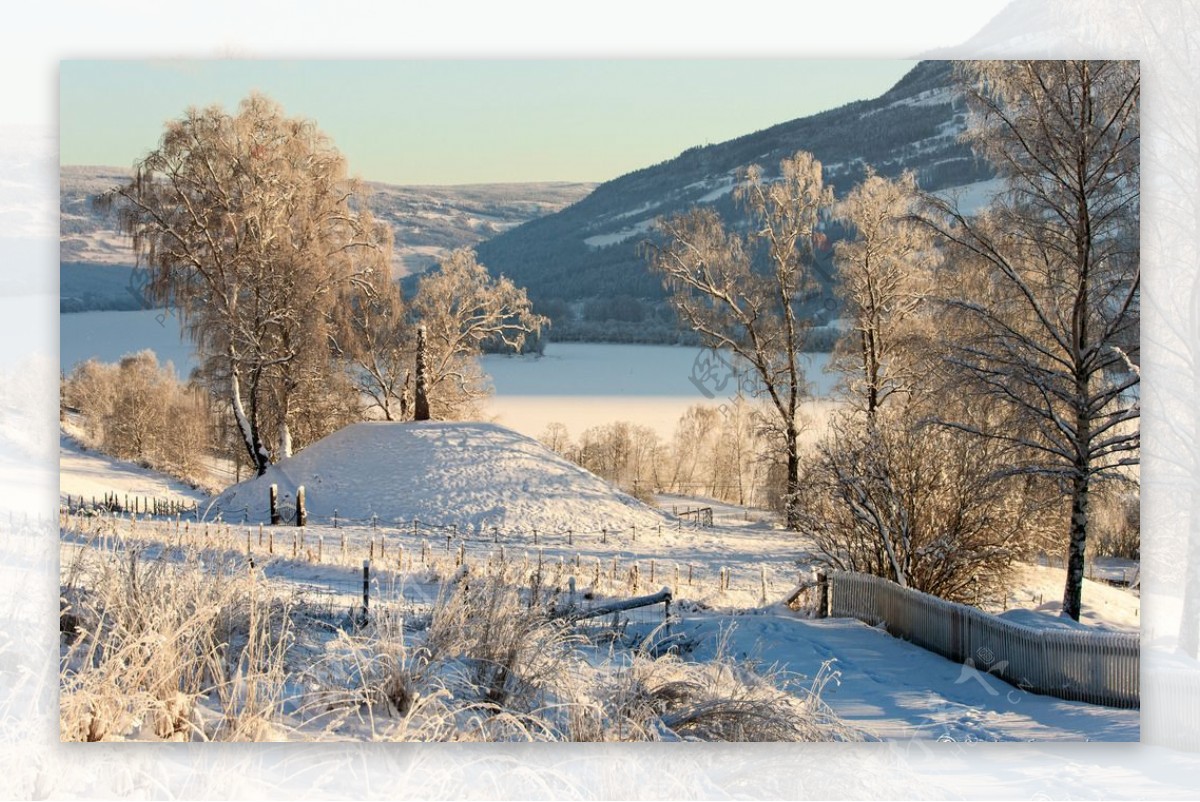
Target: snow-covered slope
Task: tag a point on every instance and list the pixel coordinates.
(91, 474)
(472, 475)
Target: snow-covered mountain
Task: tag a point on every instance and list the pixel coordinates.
(429, 222)
(591, 248)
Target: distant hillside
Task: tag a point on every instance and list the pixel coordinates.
(428, 223)
(589, 251)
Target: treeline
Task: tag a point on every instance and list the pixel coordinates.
(715, 452)
(138, 411)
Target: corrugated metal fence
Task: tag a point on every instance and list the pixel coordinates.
(1096, 667)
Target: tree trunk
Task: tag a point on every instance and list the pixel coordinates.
(248, 429)
(421, 402)
(1073, 594)
(285, 440)
(791, 512)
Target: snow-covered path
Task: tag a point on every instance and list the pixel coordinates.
(896, 691)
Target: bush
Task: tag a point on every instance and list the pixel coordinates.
(921, 502)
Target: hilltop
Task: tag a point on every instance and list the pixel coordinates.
(473, 476)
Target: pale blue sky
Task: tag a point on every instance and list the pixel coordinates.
(454, 122)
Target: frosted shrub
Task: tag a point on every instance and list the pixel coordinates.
(492, 667)
(147, 641)
(918, 505)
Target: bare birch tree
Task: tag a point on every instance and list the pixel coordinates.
(462, 307)
(1049, 326)
(251, 230)
(883, 276)
(917, 505)
(717, 290)
(377, 341)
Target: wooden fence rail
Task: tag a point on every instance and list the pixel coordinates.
(1087, 666)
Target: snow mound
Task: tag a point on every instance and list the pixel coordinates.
(473, 475)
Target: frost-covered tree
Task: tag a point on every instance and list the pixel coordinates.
(378, 342)
(1046, 316)
(249, 227)
(461, 308)
(883, 278)
(747, 309)
(138, 410)
(557, 438)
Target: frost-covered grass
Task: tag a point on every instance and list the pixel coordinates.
(168, 634)
(476, 654)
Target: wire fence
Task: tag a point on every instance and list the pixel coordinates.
(125, 503)
(1087, 666)
(627, 532)
(604, 563)
(355, 601)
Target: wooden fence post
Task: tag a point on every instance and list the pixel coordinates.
(366, 605)
(275, 505)
(301, 513)
(822, 594)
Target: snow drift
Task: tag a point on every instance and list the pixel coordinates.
(472, 475)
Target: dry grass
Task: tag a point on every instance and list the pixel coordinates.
(491, 667)
(145, 640)
(177, 644)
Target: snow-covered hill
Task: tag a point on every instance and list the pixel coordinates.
(471, 475)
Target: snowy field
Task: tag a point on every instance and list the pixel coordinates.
(729, 581)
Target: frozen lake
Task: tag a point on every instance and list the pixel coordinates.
(576, 384)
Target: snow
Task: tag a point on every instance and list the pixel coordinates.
(91, 474)
(1037, 591)
(723, 188)
(475, 476)
(603, 240)
(897, 691)
(971, 198)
